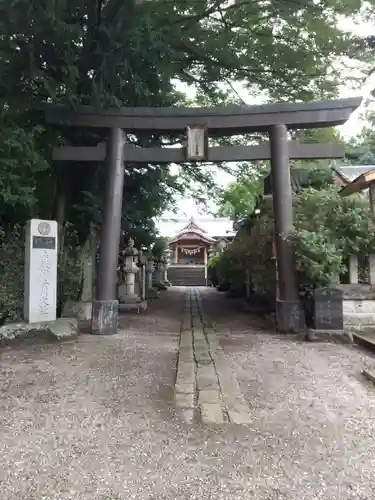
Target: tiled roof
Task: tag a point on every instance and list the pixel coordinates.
(213, 227)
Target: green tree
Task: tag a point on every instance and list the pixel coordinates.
(238, 200)
(361, 149)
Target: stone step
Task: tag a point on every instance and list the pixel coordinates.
(359, 319)
(365, 339)
(187, 276)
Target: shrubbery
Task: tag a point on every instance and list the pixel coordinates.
(327, 230)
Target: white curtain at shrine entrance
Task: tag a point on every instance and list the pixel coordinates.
(191, 255)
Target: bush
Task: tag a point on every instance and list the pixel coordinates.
(327, 230)
(12, 256)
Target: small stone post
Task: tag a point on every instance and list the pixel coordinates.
(142, 263)
(353, 269)
(167, 261)
(371, 269)
(150, 267)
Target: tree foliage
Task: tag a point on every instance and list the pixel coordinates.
(328, 229)
(361, 149)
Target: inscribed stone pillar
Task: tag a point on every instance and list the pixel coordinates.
(40, 271)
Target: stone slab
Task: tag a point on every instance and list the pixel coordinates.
(239, 415)
(184, 399)
(352, 306)
(198, 332)
(369, 373)
(359, 319)
(186, 338)
(208, 396)
(201, 351)
(339, 336)
(186, 388)
(60, 329)
(365, 339)
(206, 377)
(186, 355)
(187, 415)
(185, 372)
(200, 343)
(211, 414)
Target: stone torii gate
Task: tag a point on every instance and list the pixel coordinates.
(198, 124)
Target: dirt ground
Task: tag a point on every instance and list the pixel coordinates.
(93, 419)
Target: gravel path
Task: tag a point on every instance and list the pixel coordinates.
(93, 419)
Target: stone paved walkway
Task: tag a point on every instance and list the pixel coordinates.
(96, 419)
(206, 389)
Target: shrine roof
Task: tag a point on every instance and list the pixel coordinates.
(348, 173)
(207, 227)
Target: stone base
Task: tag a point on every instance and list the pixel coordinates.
(60, 329)
(340, 336)
(141, 305)
(129, 299)
(104, 317)
(290, 316)
(80, 310)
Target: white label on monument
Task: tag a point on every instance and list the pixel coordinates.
(40, 271)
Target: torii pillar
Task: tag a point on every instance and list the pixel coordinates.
(105, 307)
(290, 315)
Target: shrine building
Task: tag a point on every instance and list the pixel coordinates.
(191, 242)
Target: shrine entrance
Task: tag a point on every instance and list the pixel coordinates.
(198, 125)
(191, 245)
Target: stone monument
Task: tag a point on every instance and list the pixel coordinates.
(328, 313)
(40, 271)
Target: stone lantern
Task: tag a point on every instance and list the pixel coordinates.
(151, 293)
(127, 297)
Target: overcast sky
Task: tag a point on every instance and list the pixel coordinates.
(188, 208)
